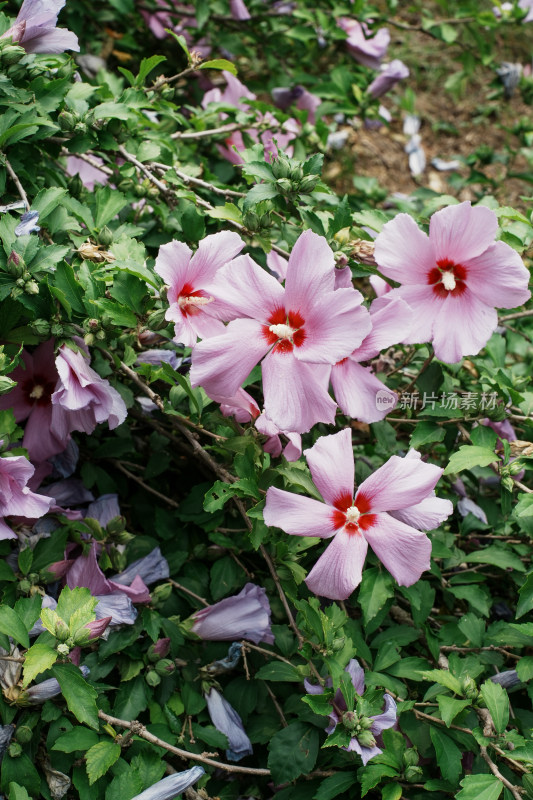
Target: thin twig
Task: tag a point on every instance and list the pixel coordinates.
(188, 591)
(247, 646)
(20, 188)
(276, 704)
(515, 791)
(233, 126)
(138, 729)
(145, 486)
(516, 315)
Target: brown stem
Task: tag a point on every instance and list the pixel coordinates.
(515, 791)
(145, 486)
(20, 188)
(233, 126)
(188, 591)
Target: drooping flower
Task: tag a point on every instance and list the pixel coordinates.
(86, 572)
(28, 223)
(89, 398)
(358, 392)
(388, 77)
(367, 50)
(453, 279)
(151, 568)
(15, 497)
(104, 509)
(227, 721)
(238, 10)
(364, 730)
(35, 28)
(243, 616)
(171, 786)
(189, 277)
(298, 332)
(388, 512)
(46, 433)
(40, 692)
(305, 101)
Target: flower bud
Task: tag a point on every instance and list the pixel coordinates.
(24, 586)
(156, 321)
(338, 643)
(89, 339)
(91, 631)
(366, 739)
(15, 264)
(281, 167)
(31, 287)
(21, 283)
(250, 220)
(165, 667)
(470, 689)
(296, 173)
(152, 678)
(152, 192)
(63, 650)
(308, 183)
(139, 190)
(284, 186)
(67, 121)
(411, 757)
(12, 54)
(61, 630)
(14, 750)
(161, 593)
(105, 237)
(93, 524)
(75, 186)
(24, 733)
(350, 720)
(412, 774)
(125, 185)
(41, 327)
(159, 649)
(363, 252)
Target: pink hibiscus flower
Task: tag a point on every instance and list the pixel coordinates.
(15, 497)
(298, 332)
(35, 28)
(454, 278)
(188, 278)
(388, 511)
(366, 49)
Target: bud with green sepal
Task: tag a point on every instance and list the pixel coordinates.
(105, 237)
(15, 264)
(152, 678)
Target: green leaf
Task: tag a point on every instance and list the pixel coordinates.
(258, 193)
(292, 752)
(449, 707)
(497, 702)
(12, 625)
(37, 659)
(480, 787)
(20, 770)
(469, 456)
(17, 792)
(100, 758)
(108, 204)
(375, 589)
(146, 66)
(425, 433)
(219, 63)
(371, 775)
(319, 703)
(448, 755)
(524, 668)
(76, 739)
(299, 476)
(444, 678)
(335, 785)
(279, 671)
(225, 576)
(79, 696)
(70, 600)
(525, 602)
(65, 280)
(496, 555)
(391, 791)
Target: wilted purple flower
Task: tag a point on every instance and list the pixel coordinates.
(35, 28)
(150, 568)
(228, 663)
(89, 174)
(243, 616)
(6, 734)
(86, 572)
(104, 509)
(69, 492)
(171, 786)
(227, 721)
(506, 679)
(88, 397)
(367, 50)
(28, 222)
(45, 690)
(64, 464)
(157, 357)
(467, 506)
(15, 497)
(388, 77)
(305, 101)
(339, 713)
(238, 10)
(118, 606)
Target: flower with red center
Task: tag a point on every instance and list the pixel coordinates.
(188, 278)
(31, 400)
(387, 512)
(454, 278)
(298, 332)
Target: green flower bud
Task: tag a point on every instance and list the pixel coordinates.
(64, 649)
(337, 644)
(139, 190)
(152, 678)
(308, 183)
(89, 339)
(94, 526)
(516, 467)
(165, 667)
(21, 282)
(281, 167)
(24, 586)
(61, 631)
(156, 320)
(250, 220)
(56, 329)
(350, 720)
(105, 237)
(152, 192)
(168, 92)
(114, 126)
(366, 739)
(31, 287)
(284, 186)
(161, 593)
(67, 121)
(124, 537)
(41, 327)
(12, 54)
(15, 750)
(100, 335)
(296, 173)
(469, 687)
(15, 264)
(24, 734)
(265, 221)
(410, 757)
(126, 185)
(116, 525)
(412, 774)
(75, 186)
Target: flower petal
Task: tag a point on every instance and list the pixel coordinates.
(391, 319)
(221, 363)
(310, 272)
(296, 393)
(331, 463)
(298, 515)
(399, 483)
(338, 570)
(404, 551)
(244, 289)
(213, 252)
(461, 232)
(498, 277)
(426, 515)
(387, 718)
(425, 305)
(359, 393)
(172, 264)
(403, 252)
(462, 327)
(334, 327)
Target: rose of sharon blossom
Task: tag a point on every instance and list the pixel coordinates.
(365, 729)
(188, 278)
(238, 10)
(388, 77)
(243, 616)
(89, 398)
(15, 497)
(298, 332)
(388, 511)
(227, 721)
(453, 279)
(170, 787)
(35, 28)
(31, 400)
(367, 50)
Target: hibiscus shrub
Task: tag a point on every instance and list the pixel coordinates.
(265, 446)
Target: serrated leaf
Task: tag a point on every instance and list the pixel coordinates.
(12, 625)
(219, 63)
(319, 703)
(497, 556)
(375, 589)
(76, 739)
(497, 702)
(480, 787)
(37, 659)
(445, 678)
(100, 758)
(79, 696)
(292, 752)
(70, 600)
(525, 602)
(448, 755)
(279, 671)
(334, 785)
(372, 774)
(469, 456)
(449, 707)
